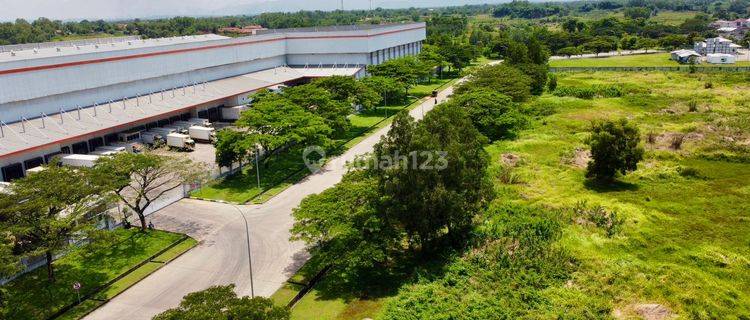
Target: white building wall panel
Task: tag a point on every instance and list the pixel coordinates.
(13, 111)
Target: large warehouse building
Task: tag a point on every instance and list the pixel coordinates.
(75, 97)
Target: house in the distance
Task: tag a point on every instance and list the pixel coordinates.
(685, 56)
(246, 30)
(716, 45)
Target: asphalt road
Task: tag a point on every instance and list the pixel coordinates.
(221, 257)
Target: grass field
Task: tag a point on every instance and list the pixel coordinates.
(32, 297)
(641, 60)
(683, 248)
(275, 177)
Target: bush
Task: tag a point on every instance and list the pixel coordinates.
(708, 85)
(552, 83)
(598, 91)
(610, 221)
(689, 172)
(614, 149)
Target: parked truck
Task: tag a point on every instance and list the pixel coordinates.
(79, 160)
(202, 134)
(200, 122)
(180, 141)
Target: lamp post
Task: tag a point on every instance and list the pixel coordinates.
(249, 256)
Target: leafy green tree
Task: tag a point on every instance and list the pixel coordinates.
(320, 101)
(221, 303)
(614, 149)
(279, 123)
(140, 179)
(45, 212)
(637, 13)
(495, 115)
(230, 147)
(389, 89)
(407, 71)
(351, 91)
(538, 75)
(501, 78)
(674, 41)
(435, 180)
(600, 44)
(345, 228)
(431, 57)
(552, 83)
(569, 51)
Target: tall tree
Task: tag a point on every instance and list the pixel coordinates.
(321, 102)
(279, 123)
(495, 115)
(435, 180)
(221, 303)
(614, 149)
(501, 78)
(345, 228)
(46, 212)
(138, 180)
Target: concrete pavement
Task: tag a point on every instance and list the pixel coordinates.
(221, 256)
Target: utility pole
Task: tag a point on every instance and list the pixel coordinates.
(342, 5)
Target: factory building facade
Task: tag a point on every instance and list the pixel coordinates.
(71, 99)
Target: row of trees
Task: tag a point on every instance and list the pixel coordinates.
(45, 213)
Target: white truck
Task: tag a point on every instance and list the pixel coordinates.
(180, 141)
(79, 160)
(200, 122)
(202, 134)
(150, 137)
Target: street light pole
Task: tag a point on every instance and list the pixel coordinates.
(257, 167)
(249, 256)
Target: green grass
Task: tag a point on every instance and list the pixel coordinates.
(685, 241)
(32, 297)
(640, 60)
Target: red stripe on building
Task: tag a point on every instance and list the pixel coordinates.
(153, 54)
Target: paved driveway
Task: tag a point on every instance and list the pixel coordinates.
(221, 257)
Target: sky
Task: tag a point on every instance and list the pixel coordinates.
(128, 9)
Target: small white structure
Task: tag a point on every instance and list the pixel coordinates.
(685, 56)
(716, 45)
(79, 160)
(721, 58)
(180, 141)
(203, 134)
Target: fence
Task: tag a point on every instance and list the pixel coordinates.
(676, 68)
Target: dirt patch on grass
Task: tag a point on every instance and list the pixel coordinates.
(581, 158)
(510, 159)
(675, 140)
(646, 311)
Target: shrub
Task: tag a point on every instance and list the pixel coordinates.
(595, 91)
(552, 83)
(614, 149)
(610, 221)
(689, 172)
(651, 137)
(708, 85)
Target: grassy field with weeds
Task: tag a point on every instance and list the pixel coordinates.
(670, 240)
(638, 60)
(31, 296)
